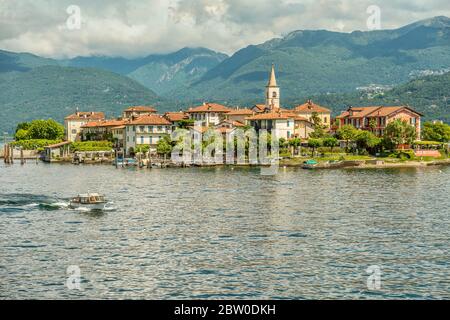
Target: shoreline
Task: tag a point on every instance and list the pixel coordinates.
(346, 164)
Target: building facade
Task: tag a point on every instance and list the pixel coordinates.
(146, 130)
(307, 110)
(376, 118)
(137, 111)
(74, 122)
(209, 114)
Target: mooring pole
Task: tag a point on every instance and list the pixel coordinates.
(22, 160)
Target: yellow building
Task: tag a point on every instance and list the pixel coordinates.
(307, 109)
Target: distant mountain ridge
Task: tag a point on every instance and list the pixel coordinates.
(314, 62)
(308, 63)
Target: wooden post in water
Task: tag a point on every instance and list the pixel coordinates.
(22, 160)
(5, 153)
(12, 155)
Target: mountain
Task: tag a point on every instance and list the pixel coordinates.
(159, 72)
(429, 95)
(55, 91)
(314, 62)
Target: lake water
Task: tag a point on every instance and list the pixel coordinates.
(213, 233)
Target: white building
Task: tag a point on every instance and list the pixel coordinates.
(146, 130)
(138, 111)
(209, 114)
(74, 122)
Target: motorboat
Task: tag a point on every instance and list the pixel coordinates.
(92, 201)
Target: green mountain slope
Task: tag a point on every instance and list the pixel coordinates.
(54, 92)
(315, 62)
(429, 95)
(158, 72)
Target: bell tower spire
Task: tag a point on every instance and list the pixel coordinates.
(272, 92)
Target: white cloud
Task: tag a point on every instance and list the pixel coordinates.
(140, 27)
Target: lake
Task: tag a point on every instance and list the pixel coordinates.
(225, 233)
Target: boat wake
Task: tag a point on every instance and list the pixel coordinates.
(18, 202)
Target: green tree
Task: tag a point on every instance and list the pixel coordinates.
(295, 144)
(45, 129)
(366, 140)
(314, 144)
(23, 126)
(164, 146)
(319, 129)
(330, 142)
(399, 132)
(21, 134)
(436, 132)
(348, 133)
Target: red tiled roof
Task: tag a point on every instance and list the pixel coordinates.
(176, 116)
(209, 107)
(238, 112)
(91, 115)
(373, 111)
(150, 119)
(310, 107)
(140, 109)
(276, 116)
(105, 123)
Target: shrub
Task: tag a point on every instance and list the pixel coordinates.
(34, 144)
(92, 146)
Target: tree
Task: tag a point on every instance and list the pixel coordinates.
(164, 147)
(313, 144)
(366, 140)
(319, 129)
(399, 132)
(295, 144)
(21, 134)
(330, 142)
(436, 132)
(348, 133)
(45, 129)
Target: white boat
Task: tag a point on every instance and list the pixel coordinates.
(91, 201)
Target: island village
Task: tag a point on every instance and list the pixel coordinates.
(140, 133)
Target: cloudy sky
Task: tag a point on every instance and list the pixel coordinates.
(139, 27)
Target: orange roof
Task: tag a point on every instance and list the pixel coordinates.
(91, 115)
(235, 123)
(372, 111)
(140, 109)
(310, 106)
(154, 119)
(276, 116)
(176, 116)
(105, 123)
(209, 107)
(238, 112)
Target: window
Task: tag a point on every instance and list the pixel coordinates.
(274, 94)
(151, 140)
(412, 121)
(74, 131)
(142, 128)
(159, 128)
(142, 139)
(288, 124)
(325, 119)
(134, 128)
(289, 134)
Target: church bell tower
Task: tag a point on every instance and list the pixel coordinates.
(272, 92)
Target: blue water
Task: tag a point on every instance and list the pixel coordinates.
(212, 233)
